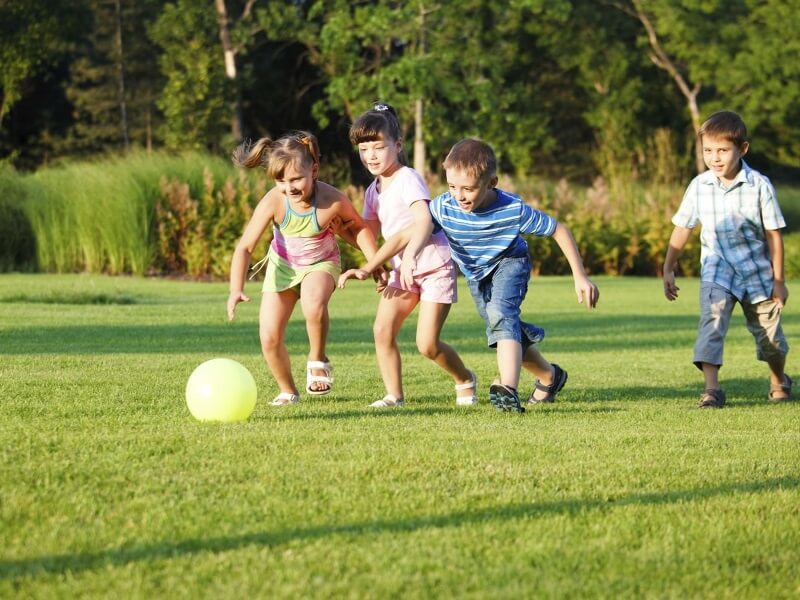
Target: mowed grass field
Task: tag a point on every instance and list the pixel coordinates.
(622, 488)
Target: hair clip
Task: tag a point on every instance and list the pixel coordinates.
(380, 107)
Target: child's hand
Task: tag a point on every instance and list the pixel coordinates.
(585, 288)
(670, 289)
(407, 268)
(381, 278)
(233, 300)
(357, 273)
(780, 293)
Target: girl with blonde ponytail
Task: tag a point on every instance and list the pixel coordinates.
(303, 261)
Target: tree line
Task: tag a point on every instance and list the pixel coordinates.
(561, 88)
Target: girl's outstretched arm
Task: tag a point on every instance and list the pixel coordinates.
(390, 247)
(351, 227)
(422, 229)
(584, 287)
(263, 215)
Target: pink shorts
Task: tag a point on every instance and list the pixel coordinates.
(437, 286)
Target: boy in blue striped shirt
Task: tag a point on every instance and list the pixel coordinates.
(483, 226)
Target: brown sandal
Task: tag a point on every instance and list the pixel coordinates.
(712, 399)
(781, 392)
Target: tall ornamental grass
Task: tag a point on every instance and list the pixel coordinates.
(182, 214)
(99, 217)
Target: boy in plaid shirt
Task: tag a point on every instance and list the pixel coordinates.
(741, 256)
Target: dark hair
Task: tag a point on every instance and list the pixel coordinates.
(725, 124)
(380, 122)
(296, 147)
(474, 157)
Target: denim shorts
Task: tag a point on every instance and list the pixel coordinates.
(763, 321)
(499, 296)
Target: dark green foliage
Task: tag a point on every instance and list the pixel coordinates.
(17, 240)
(17, 243)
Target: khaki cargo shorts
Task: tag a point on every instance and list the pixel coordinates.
(763, 321)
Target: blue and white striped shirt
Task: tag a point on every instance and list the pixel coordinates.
(479, 240)
(734, 251)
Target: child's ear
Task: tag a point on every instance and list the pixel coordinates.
(314, 170)
(744, 148)
(493, 182)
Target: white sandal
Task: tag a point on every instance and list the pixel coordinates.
(388, 401)
(285, 398)
(473, 385)
(327, 379)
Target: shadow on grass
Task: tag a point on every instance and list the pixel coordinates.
(73, 563)
(347, 336)
(370, 413)
(741, 393)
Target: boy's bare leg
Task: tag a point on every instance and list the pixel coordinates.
(509, 361)
(315, 292)
(276, 308)
(541, 368)
(432, 316)
(711, 375)
(393, 309)
(777, 366)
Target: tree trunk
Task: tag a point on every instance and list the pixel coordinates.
(662, 60)
(419, 105)
(419, 142)
(229, 54)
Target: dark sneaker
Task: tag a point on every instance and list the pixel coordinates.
(712, 399)
(533, 333)
(505, 398)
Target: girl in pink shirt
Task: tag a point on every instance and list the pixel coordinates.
(423, 274)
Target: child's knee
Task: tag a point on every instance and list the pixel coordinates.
(428, 347)
(315, 312)
(382, 332)
(270, 340)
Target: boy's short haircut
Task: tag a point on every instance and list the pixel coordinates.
(727, 125)
(473, 157)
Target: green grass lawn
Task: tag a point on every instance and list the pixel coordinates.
(621, 488)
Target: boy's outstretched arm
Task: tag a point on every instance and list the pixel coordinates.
(390, 247)
(584, 287)
(775, 244)
(677, 242)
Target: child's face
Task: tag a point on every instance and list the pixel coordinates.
(381, 156)
(722, 157)
(297, 182)
(470, 192)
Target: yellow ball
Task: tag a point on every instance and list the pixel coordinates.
(221, 389)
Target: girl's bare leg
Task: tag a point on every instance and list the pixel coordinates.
(393, 309)
(432, 316)
(276, 308)
(315, 292)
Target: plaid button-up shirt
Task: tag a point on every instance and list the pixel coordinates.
(734, 251)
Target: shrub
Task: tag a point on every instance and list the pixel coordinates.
(196, 237)
(619, 230)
